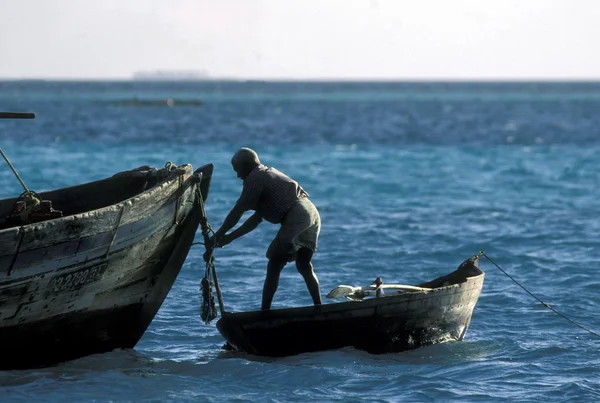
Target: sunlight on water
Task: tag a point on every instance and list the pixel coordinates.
(408, 186)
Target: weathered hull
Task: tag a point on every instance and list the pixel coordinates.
(379, 325)
(93, 282)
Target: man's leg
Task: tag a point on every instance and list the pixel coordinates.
(276, 263)
(305, 268)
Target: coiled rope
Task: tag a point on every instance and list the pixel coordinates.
(538, 299)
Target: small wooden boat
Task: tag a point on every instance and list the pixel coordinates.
(402, 318)
(87, 272)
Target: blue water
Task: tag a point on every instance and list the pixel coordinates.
(410, 180)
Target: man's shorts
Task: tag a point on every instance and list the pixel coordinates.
(300, 228)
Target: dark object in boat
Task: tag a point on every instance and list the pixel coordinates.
(391, 323)
(29, 209)
(92, 280)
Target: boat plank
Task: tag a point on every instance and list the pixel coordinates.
(98, 278)
(90, 223)
(9, 242)
(120, 288)
(68, 253)
(149, 203)
(71, 228)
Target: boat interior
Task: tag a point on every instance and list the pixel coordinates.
(87, 197)
(468, 268)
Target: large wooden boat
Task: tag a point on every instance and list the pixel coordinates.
(88, 274)
(433, 312)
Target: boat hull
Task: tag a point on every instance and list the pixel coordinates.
(378, 325)
(93, 282)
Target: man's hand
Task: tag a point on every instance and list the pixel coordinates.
(213, 241)
(218, 240)
(225, 240)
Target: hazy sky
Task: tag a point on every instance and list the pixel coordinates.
(328, 39)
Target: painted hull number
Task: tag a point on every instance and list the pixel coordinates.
(76, 279)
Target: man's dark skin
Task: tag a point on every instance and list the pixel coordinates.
(243, 162)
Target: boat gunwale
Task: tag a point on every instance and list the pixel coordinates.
(347, 306)
(181, 170)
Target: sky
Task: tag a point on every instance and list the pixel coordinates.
(302, 39)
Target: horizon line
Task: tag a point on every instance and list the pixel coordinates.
(314, 79)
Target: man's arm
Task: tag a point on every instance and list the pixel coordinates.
(250, 225)
(230, 221)
(247, 201)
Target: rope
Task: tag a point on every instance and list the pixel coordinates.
(208, 312)
(538, 299)
(14, 170)
(30, 198)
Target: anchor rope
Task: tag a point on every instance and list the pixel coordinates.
(539, 300)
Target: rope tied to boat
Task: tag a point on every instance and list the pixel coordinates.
(164, 173)
(538, 299)
(28, 202)
(14, 171)
(208, 309)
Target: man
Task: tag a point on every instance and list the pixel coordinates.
(280, 200)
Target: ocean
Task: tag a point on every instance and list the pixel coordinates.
(410, 180)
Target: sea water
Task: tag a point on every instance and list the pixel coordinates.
(410, 180)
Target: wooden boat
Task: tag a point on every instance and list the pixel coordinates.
(90, 274)
(437, 311)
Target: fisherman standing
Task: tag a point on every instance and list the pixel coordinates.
(280, 200)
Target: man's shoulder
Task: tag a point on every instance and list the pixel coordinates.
(264, 174)
(256, 174)
(276, 172)
(259, 169)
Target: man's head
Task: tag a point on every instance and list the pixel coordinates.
(244, 161)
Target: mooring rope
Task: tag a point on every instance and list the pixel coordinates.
(32, 199)
(538, 299)
(14, 171)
